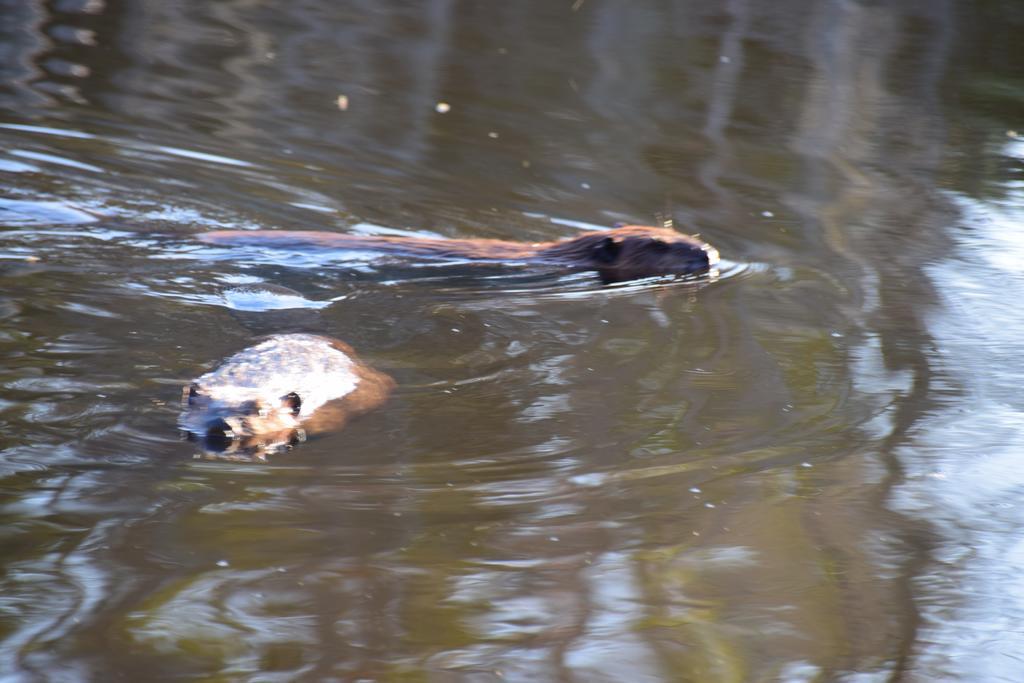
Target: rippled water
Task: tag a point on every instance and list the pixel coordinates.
(803, 468)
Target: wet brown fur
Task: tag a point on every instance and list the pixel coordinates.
(370, 392)
(624, 253)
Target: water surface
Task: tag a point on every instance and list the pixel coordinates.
(803, 469)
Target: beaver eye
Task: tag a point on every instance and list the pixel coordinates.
(607, 250)
(253, 408)
(292, 402)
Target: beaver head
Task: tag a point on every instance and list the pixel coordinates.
(223, 424)
(634, 251)
(259, 397)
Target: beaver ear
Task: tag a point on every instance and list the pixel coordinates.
(607, 250)
(293, 402)
(189, 393)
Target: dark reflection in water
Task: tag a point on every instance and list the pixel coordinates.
(801, 469)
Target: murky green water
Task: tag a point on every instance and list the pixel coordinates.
(804, 470)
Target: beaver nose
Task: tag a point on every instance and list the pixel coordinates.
(219, 429)
(219, 435)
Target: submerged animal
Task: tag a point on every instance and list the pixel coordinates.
(267, 397)
(625, 253)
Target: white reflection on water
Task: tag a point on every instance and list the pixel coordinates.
(46, 130)
(54, 159)
(257, 298)
(963, 469)
(202, 156)
(29, 213)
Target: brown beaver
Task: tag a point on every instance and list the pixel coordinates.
(269, 396)
(626, 253)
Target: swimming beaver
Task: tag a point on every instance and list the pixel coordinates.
(269, 396)
(625, 253)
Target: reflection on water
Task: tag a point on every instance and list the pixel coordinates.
(799, 469)
(962, 471)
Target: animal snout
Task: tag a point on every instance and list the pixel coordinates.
(219, 434)
(710, 254)
(219, 428)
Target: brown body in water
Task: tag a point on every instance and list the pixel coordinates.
(269, 396)
(619, 254)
